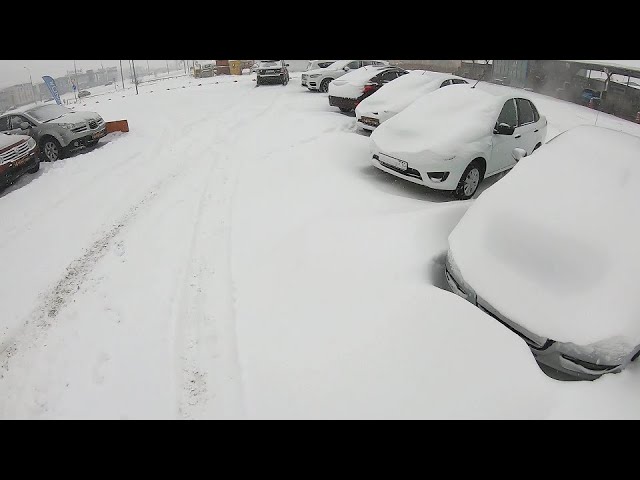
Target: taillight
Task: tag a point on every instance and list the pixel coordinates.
(370, 87)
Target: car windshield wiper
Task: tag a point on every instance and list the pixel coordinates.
(51, 119)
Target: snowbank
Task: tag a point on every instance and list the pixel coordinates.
(564, 264)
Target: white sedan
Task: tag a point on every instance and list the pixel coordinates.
(551, 251)
(455, 137)
(395, 97)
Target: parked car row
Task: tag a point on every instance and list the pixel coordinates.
(53, 130)
(520, 257)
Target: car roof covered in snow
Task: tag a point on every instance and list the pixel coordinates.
(397, 95)
(363, 74)
(553, 246)
(442, 122)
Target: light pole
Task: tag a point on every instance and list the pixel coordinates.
(33, 95)
(121, 75)
(75, 90)
(135, 78)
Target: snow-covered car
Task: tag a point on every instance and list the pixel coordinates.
(314, 65)
(453, 138)
(18, 155)
(84, 93)
(350, 89)
(320, 78)
(56, 129)
(551, 251)
(272, 71)
(395, 97)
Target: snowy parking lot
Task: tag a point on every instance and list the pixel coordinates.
(237, 255)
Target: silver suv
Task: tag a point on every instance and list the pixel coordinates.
(56, 129)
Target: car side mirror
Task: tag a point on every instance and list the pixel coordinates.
(519, 154)
(504, 129)
(286, 65)
(24, 125)
(346, 69)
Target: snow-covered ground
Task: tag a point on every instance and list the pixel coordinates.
(236, 255)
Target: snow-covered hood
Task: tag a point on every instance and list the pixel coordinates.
(7, 140)
(447, 122)
(76, 117)
(351, 84)
(553, 246)
(399, 94)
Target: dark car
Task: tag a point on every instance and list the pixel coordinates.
(349, 90)
(84, 93)
(272, 71)
(587, 94)
(18, 155)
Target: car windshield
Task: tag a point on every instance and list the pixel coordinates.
(192, 239)
(47, 113)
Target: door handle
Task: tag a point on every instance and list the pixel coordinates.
(536, 130)
(518, 136)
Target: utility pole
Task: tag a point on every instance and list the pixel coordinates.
(75, 91)
(135, 78)
(167, 67)
(33, 95)
(121, 75)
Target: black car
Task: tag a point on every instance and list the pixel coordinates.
(349, 90)
(272, 71)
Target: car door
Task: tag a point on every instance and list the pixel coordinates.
(502, 152)
(14, 125)
(527, 129)
(4, 123)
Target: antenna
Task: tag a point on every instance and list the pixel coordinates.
(481, 78)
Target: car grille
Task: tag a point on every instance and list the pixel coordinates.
(93, 124)
(14, 153)
(373, 122)
(79, 129)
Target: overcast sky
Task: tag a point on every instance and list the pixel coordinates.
(13, 72)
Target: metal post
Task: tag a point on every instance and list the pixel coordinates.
(148, 69)
(167, 61)
(135, 78)
(75, 92)
(121, 75)
(33, 95)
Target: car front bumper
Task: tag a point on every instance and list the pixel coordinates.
(558, 360)
(344, 103)
(82, 139)
(423, 174)
(11, 171)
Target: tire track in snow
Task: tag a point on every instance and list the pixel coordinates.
(209, 370)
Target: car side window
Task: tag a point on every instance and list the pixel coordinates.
(4, 124)
(366, 63)
(525, 112)
(353, 65)
(457, 81)
(16, 121)
(508, 114)
(445, 83)
(536, 115)
(388, 76)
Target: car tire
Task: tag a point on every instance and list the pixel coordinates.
(324, 85)
(469, 181)
(538, 145)
(51, 149)
(35, 168)
(285, 80)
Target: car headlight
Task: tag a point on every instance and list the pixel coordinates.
(66, 125)
(31, 143)
(316, 75)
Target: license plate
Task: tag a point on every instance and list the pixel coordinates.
(374, 122)
(21, 162)
(399, 164)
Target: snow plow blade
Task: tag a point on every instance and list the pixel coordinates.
(117, 126)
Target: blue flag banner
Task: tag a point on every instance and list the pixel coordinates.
(51, 85)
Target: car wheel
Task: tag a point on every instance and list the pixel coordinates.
(470, 180)
(324, 85)
(51, 149)
(35, 168)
